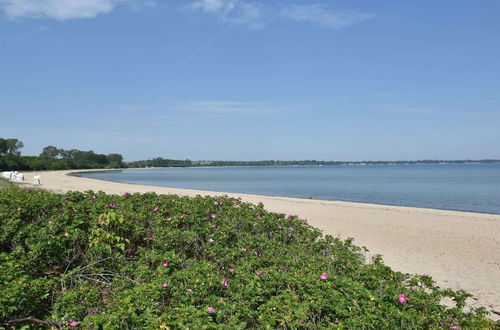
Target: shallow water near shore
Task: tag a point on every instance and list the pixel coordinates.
(461, 187)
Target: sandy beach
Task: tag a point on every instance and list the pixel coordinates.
(460, 250)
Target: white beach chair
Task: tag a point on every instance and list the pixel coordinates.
(36, 180)
(20, 177)
(13, 175)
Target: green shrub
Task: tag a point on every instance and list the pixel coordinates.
(164, 261)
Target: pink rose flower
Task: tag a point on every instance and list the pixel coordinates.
(73, 323)
(324, 276)
(165, 263)
(164, 284)
(402, 298)
(211, 309)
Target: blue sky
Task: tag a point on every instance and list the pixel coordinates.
(248, 80)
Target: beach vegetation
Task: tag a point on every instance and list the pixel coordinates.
(146, 261)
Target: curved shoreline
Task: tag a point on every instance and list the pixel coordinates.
(460, 250)
(422, 207)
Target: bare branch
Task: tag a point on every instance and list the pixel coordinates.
(33, 320)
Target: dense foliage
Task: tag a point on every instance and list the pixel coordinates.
(53, 158)
(163, 261)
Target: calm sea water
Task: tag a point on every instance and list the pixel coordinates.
(470, 187)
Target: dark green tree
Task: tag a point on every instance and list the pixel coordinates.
(10, 147)
(50, 152)
(114, 160)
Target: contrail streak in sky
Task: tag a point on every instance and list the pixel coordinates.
(205, 45)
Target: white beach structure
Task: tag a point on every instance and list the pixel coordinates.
(6, 174)
(36, 180)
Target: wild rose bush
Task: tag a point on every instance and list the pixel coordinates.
(91, 260)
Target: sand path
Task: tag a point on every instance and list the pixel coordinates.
(460, 250)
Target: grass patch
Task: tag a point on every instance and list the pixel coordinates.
(5, 183)
(145, 261)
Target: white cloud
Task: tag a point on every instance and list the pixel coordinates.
(62, 9)
(231, 11)
(229, 108)
(323, 15)
(134, 139)
(413, 110)
(193, 109)
(402, 108)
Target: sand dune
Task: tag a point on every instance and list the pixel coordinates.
(460, 250)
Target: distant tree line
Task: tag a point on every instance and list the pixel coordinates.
(324, 162)
(160, 162)
(53, 158)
